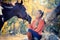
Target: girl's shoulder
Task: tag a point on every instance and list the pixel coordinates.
(42, 20)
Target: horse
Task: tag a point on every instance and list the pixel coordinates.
(18, 10)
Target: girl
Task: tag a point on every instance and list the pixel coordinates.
(36, 27)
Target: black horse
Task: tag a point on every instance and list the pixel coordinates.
(1, 22)
(18, 10)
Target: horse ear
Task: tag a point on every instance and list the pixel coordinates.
(21, 2)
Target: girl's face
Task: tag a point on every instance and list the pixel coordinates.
(38, 15)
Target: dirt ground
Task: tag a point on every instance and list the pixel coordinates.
(16, 37)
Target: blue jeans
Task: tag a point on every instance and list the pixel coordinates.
(35, 35)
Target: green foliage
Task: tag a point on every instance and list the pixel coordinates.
(55, 26)
(22, 28)
(12, 20)
(50, 3)
(12, 29)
